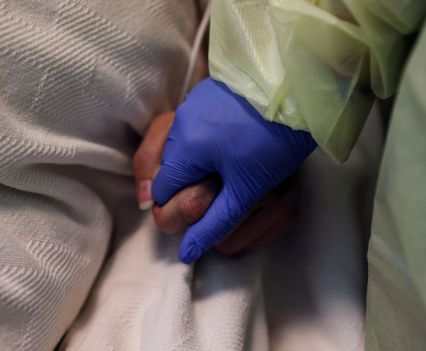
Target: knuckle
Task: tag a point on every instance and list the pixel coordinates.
(162, 222)
(193, 207)
(167, 221)
(158, 218)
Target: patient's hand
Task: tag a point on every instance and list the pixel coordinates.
(268, 220)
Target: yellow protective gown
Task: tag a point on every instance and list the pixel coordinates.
(396, 300)
(318, 66)
(313, 64)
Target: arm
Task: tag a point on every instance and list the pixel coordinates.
(313, 65)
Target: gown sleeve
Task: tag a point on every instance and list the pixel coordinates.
(315, 65)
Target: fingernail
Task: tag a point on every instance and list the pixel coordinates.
(190, 255)
(144, 195)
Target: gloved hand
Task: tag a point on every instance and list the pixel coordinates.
(269, 218)
(218, 132)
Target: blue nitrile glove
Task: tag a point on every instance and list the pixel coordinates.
(217, 131)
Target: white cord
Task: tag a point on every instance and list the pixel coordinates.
(194, 51)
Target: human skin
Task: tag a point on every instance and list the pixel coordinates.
(268, 219)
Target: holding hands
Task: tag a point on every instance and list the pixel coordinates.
(215, 170)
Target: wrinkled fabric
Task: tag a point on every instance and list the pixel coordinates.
(314, 65)
(79, 82)
(396, 314)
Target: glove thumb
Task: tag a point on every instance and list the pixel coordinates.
(224, 214)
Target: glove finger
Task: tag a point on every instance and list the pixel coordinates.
(225, 213)
(173, 177)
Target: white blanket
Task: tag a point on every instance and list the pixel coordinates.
(305, 293)
(79, 82)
